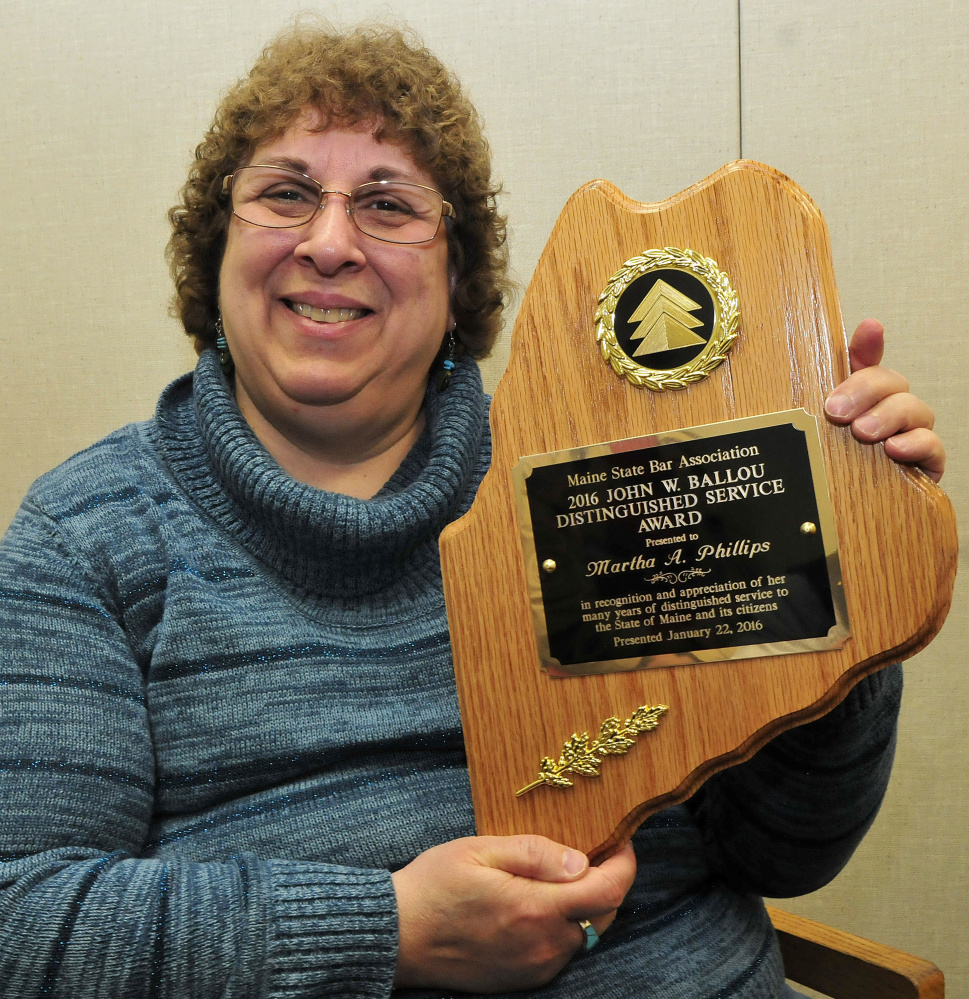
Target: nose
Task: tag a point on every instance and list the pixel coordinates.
(331, 238)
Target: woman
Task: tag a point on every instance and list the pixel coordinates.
(230, 751)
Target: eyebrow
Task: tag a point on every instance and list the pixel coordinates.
(301, 166)
(284, 161)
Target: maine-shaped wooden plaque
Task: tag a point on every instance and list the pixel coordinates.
(674, 556)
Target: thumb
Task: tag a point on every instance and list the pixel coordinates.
(867, 344)
(535, 857)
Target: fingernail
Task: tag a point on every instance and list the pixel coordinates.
(869, 425)
(837, 405)
(573, 862)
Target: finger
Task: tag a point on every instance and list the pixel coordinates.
(535, 857)
(600, 924)
(861, 391)
(895, 414)
(622, 868)
(918, 447)
(867, 344)
(602, 890)
(622, 863)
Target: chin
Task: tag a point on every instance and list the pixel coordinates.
(315, 393)
(314, 385)
(371, 391)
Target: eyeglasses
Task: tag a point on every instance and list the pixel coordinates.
(277, 198)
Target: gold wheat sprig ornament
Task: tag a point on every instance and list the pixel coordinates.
(580, 756)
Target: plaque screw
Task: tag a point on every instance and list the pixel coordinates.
(808, 528)
(549, 565)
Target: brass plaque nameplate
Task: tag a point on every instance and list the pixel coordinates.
(696, 545)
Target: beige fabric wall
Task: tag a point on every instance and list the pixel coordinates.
(863, 104)
(867, 106)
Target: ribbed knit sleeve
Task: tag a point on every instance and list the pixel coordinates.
(82, 913)
(787, 821)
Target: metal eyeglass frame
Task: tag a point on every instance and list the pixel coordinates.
(447, 209)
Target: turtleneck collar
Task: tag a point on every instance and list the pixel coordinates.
(326, 543)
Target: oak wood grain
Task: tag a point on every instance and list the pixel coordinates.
(896, 528)
(845, 966)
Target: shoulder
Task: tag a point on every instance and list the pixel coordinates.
(119, 469)
(106, 509)
(87, 529)
(123, 468)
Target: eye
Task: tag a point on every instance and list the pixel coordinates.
(262, 194)
(386, 203)
(289, 194)
(283, 193)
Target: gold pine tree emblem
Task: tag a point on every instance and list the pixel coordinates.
(664, 320)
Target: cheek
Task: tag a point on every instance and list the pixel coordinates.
(419, 283)
(438, 288)
(229, 274)
(248, 261)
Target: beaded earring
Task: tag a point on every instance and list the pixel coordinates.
(447, 365)
(222, 346)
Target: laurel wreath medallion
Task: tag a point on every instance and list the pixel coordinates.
(725, 325)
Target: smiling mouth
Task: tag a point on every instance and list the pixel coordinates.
(325, 315)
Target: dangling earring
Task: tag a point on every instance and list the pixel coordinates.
(222, 346)
(447, 365)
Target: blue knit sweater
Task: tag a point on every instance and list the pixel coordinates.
(227, 712)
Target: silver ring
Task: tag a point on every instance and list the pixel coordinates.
(591, 937)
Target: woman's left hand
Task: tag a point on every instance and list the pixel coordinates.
(878, 405)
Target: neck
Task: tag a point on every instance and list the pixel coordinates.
(339, 454)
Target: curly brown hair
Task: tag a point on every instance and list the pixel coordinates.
(365, 74)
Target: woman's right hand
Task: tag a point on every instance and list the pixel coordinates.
(500, 913)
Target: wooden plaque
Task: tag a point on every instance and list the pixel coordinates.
(693, 340)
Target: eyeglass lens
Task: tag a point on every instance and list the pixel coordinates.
(278, 198)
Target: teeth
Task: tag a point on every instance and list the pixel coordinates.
(325, 315)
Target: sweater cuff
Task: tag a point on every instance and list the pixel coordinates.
(334, 931)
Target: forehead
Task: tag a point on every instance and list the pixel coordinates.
(340, 153)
